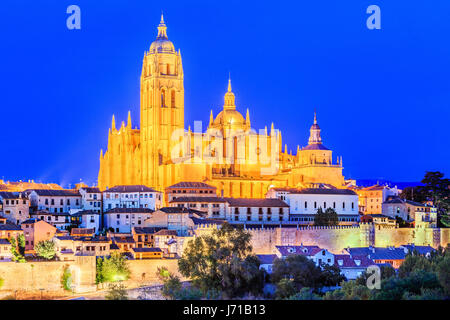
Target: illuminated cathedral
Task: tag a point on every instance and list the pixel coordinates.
(230, 155)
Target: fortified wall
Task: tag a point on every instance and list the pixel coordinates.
(335, 239)
(33, 277)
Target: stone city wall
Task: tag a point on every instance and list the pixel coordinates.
(335, 239)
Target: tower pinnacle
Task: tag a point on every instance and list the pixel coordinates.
(229, 97)
(162, 29)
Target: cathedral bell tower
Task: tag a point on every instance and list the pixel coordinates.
(162, 106)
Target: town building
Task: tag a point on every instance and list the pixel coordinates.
(256, 211)
(35, 231)
(14, 206)
(352, 266)
(146, 253)
(305, 202)
(91, 199)
(380, 221)
(9, 230)
(189, 189)
(5, 250)
(135, 196)
(54, 201)
(405, 209)
(371, 198)
(121, 220)
(214, 207)
(390, 255)
(87, 219)
(143, 236)
(60, 220)
(266, 261)
(238, 161)
(318, 255)
(67, 247)
(82, 232)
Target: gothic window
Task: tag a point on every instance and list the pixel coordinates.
(172, 99)
(306, 205)
(315, 205)
(163, 98)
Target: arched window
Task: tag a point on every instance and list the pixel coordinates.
(306, 205)
(315, 205)
(163, 98)
(172, 99)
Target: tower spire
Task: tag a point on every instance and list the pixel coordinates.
(162, 29)
(229, 97)
(113, 123)
(129, 119)
(314, 136)
(211, 119)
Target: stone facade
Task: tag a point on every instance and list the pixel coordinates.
(230, 155)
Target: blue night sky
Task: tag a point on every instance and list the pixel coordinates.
(382, 96)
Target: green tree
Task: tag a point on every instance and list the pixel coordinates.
(66, 279)
(302, 271)
(285, 289)
(327, 218)
(413, 262)
(443, 273)
(45, 249)
(21, 244)
(116, 291)
(349, 290)
(112, 269)
(305, 294)
(331, 276)
(2, 282)
(16, 256)
(222, 262)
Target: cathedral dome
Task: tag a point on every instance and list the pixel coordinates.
(162, 44)
(229, 117)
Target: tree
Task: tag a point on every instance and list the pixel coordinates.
(331, 275)
(66, 279)
(285, 289)
(413, 262)
(222, 262)
(2, 282)
(21, 243)
(45, 249)
(112, 269)
(443, 274)
(116, 292)
(305, 294)
(350, 290)
(302, 271)
(15, 251)
(437, 189)
(327, 218)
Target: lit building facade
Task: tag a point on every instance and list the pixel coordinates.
(230, 155)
